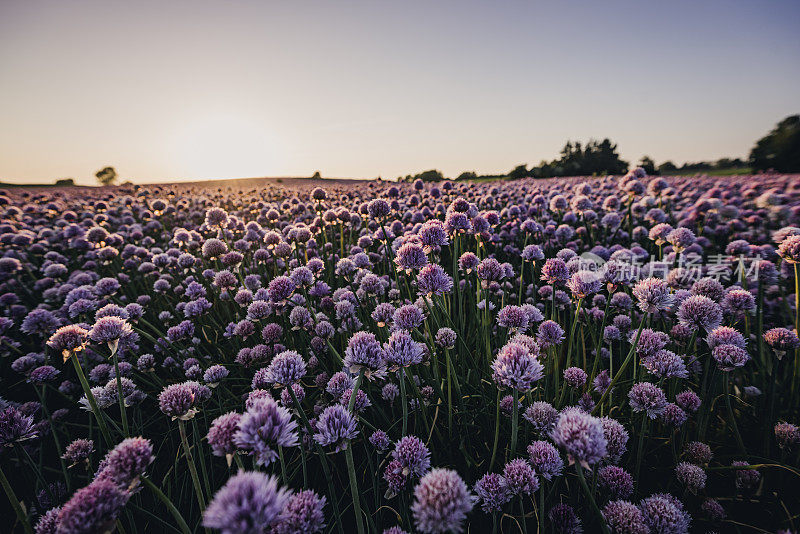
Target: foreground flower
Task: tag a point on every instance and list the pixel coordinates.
(441, 502)
(94, 508)
(516, 368)
(249, 502)
(265, 427)
(335, 427)
(581, 435)
(303, 514)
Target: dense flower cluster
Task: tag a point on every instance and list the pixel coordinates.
(613, 354)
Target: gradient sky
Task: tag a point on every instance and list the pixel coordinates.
(166, 90)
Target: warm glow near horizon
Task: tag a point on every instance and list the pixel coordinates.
(185, 90)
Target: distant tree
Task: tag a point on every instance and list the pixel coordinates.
(106, 176)
(427, 176)
(667, 167)
(648, 165)
(65, 182)
(316, 176)
(779, 149)
(467, 175)
(520, 171)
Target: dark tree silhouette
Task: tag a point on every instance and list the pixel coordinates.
(780, 148)
(106, 176)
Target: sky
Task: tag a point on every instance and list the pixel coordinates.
(189, 90)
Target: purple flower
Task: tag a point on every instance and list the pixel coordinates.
(549, 334)
(729, 357)
(698, 452)
(544, 457)
(265, 427)
(513, 317)
(492, 491)
(15, 426)
(411, 257)
(364, 351)
(413, 455)
(109, 329)
(441, 502)
(286, 368)
(302, 514)
(691, 476)
(616, 437)
(787, 434)
(249, 502)
(68, 338)
(408, 317)
(584, 283)
(380, 440)
(520, 477)
(575, 377)
(699, 312)
(94, 508)
(564, 520)
(78, 450)
(665, 364)
(653, 295)
(625, 518)
(616, 481)
(647, 397)
(335, 426)
(663, 513)
(554, 271)
(178, 401)
(581, 435)
(541, 415)
(221, 434)
(688, 400)
(725, 335)
(516, 368)
(782, 339)
(402, 351)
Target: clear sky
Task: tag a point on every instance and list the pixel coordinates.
(169, 89)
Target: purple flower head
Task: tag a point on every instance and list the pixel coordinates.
(263, 428)
(408, 317)
(302, 514)
(698, 452)
(616, 437)
(492, 491)
(380, 440)
(109, 330)
(688, 400)
(691, 476)
(94, 508)
(402, 351)
(549, 334)
(653, 295)
(43, 374)
(214, 375)
(446, 338)
(335, 426)
(221, 434)
(725, 335)
(68, 338)
(665, 364)
(729, 357)
(544, 457)
(513, 317)
(364, 351)
(554, 271)
(673, 415)
(624, 517)
(647, 397)
(575, 377)
(126, 462)
(699, 312)
(411, 257)
(664, 513)
(616, 481)
(441, 502)
(584, 283)
(78, 450)
(782, 339)
(581, 435)
(280, 289)
(286, 369)
(413, 455)
(520, 477)
(249, 502)
(178, 401)
(516, 368)
(564, 520)
(542, 416)
(787, 434)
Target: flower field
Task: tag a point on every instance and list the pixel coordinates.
(615, 354)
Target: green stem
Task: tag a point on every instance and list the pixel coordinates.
(600, 518)
(623, 366)
(168, 503)
(514, 423)
(351, 472)
(190, 461)
(90, 397)
(15, 503)
(120, 398)
(730, 414)
(403, 400)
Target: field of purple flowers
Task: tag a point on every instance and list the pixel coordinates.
(614, 355)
